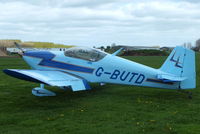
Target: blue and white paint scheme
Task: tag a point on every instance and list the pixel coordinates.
(77, 67)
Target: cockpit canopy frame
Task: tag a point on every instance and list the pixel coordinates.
(88, 54)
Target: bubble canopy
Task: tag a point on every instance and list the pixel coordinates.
(88, 54)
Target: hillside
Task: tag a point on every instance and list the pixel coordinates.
(10, 43)
(2, 53)
(45, 45)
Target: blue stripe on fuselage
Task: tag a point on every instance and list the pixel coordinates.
(47, 60)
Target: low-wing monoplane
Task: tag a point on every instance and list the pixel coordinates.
(77, 67)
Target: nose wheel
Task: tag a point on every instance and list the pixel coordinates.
(41, 91)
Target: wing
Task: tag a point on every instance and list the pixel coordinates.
(52, 78)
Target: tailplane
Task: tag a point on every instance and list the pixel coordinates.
(181, 64)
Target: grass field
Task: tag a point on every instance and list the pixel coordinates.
(109, 109)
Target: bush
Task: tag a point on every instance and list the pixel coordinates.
(145, 53)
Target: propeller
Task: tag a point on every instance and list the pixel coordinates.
(20, 48)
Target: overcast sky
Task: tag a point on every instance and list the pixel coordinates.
(101, 22)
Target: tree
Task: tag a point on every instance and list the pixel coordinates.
(197, 46)
(102, 48)
(113, 45)
(188, 45)
(108, 47)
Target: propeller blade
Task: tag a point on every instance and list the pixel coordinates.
(19, 47)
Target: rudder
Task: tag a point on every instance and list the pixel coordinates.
(189, 70)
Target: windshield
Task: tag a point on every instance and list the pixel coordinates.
(85, 53)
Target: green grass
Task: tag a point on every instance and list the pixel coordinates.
(105, 109)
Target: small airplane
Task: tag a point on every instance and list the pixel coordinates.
(77, 67)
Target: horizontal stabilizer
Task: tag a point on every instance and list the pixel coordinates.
(52, 78)
(170, 78)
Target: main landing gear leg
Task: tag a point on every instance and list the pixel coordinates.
(41, 91)
(189, 93)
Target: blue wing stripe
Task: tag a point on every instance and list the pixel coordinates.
(22, 76)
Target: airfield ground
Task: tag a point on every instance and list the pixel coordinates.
(104, 110)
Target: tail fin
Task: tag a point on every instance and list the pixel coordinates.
(181, 63)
